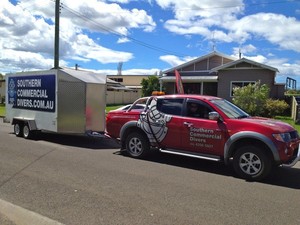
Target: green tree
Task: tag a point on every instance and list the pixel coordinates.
(252, 98)
(149, 85)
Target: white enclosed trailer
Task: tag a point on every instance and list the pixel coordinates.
(59, 100)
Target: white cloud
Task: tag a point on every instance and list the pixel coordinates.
(12, 61)
(289, 69)
(175, 60)
(186, 10)
(141, 71)
(130, 71)
(227, 24)
(123, 40)
(197, 17)
(277, 29)
(282, 64)
(29, 26)
(94, 15)
(258, 58)
(244, 49)
(120, 1)
(285, 67)
(85, 48)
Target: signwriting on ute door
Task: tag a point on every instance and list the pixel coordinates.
(32, 92)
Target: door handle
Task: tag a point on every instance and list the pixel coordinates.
(188, 124)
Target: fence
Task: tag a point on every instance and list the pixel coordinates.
(296, 109)
(121, 97)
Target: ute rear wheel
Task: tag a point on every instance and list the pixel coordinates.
(251, 163)
(137, 145)
(18, 130)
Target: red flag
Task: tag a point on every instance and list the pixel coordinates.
(179, 84)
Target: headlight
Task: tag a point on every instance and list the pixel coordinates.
(284, 137)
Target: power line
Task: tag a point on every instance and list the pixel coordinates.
(240, 5)
(109, 30)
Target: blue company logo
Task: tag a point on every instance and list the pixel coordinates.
(11, 91)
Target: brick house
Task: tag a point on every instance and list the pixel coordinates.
(217, 74)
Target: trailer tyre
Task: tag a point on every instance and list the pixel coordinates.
(27, 133)
(137, 145)
(18, 129)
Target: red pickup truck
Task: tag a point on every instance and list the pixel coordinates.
(205, 127)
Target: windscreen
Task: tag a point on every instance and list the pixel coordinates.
(231, 110)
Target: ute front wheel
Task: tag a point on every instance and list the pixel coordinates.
(251, 163)
(137, 145)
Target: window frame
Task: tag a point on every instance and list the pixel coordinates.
(200, 103)
(243, 85)
(160, 105)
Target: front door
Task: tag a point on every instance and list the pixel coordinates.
(199, 134)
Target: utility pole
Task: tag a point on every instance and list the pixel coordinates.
(56, 35)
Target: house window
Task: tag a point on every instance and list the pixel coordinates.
(235, 84)
(120, 80)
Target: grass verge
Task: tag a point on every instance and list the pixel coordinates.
(290, 121)
(2, 110)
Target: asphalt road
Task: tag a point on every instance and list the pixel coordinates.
(59, 179)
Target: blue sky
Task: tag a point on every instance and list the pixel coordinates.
(149, 35)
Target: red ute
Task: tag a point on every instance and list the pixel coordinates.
(205, 127)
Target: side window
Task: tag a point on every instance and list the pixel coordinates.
(171, 106)
(198, 109)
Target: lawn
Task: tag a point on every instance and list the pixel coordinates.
(112, 107)
(2, 110)
(290, 121)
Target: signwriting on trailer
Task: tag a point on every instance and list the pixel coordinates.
(32, 92)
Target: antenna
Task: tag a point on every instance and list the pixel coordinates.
(213, 41)
(120, 65)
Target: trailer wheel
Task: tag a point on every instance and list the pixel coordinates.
(27, 133)
(18, 129)
(137, 145)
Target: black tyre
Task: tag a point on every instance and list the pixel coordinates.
(18, 130)
(251, 163)
(137, 145)
(27, 133)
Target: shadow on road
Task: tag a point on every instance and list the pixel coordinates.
(283, 177)
(78, 141)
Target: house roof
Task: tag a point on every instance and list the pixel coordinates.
(236, 62)
(191, 78)
(214, 53)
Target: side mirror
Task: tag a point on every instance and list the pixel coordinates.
(214, 116)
